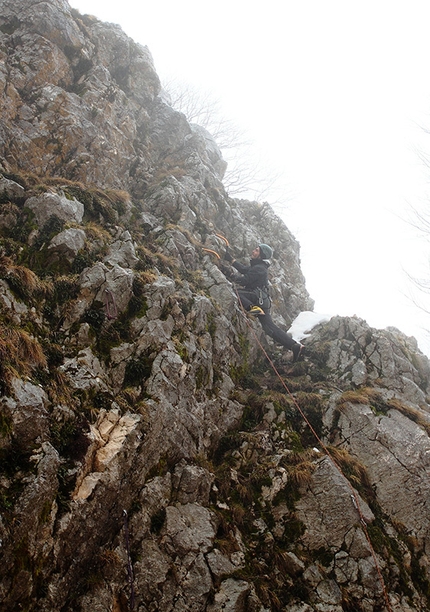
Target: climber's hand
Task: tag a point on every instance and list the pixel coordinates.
(226, 270)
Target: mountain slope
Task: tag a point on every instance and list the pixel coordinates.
(158, 452)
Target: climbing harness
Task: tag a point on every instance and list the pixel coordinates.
(354, 495)
(264, 299)
(129, 564)
(111, 309)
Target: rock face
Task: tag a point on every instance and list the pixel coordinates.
(150, 457)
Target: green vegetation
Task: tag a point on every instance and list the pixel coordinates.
(138, 370)
(157, 520)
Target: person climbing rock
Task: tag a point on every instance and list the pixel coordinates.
(254, 294)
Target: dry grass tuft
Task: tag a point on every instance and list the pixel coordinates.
(300, 466)
(301, 474)
(374, 399)
(23, 281)
(59, 391)
(20, 354)
(419, 417)
(353, 397)
(28, 349)
(118, 195)
(238, 513)
(96, 232)
(352, 469)
(147, 277)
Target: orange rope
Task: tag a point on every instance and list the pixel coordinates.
(214, 252)
(223, 238)
(211, 251)
(354, 495)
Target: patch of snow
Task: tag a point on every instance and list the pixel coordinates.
(304, 323)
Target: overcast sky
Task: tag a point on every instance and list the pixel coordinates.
(335, 96)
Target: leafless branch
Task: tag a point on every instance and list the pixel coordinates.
(245, 176)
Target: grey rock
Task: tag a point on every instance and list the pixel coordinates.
(219, 564)
(151, 573)
(293, 564)
(189, 528)
(54, 204)
(393, 445)
(85, 371)
(11, 189)
(231, 596)
(212, 149)
(15, 307)
(28, 409)
(111, 287)
(68, 243)
(328, 509)
(193, 484)
(170, 413)
(122, 251)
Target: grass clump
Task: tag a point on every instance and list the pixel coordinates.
(138, 370)
(22, 281)
(300, 466)
(20, 355)
(381, 406)
(354, 471)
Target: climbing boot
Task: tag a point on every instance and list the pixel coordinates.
(256, 311)
(297, 351)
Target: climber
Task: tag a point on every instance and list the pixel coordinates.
(254, 294)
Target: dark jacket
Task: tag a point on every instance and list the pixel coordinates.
(253, 276)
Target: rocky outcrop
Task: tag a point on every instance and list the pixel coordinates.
(76, 89)
(151, 457)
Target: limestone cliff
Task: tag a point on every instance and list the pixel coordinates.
(151, 458)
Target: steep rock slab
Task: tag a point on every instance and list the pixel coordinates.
(396, 453)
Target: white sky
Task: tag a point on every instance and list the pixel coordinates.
(334, 95)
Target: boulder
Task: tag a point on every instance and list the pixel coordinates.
(49, 204)
(68, 243)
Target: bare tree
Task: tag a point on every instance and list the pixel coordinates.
(420, 221)
(246, 176)
(203, 108)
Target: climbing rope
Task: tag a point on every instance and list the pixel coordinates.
(354, 495)
(211, 251)
(129, 564)
(110, 305)
(223, 238)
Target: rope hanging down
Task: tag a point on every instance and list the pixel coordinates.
(129, 564)
(354, 496)
(110, 305)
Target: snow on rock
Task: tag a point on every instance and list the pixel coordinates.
(304, 323)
